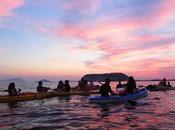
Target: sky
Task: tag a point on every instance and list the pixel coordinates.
(66, 39)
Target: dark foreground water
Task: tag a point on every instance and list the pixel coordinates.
(156, 112)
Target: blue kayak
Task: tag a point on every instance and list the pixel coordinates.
(116, 98)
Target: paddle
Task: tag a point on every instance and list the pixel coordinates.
(99, 82)
(3, 90)
(19, 90)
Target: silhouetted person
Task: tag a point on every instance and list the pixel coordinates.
(86, 86)
(66, 86)
(83, 85)
(164, 82)
(169, 85)
(105, 89)
(119, 85)
(60, 86)
(120, 89)
(40, 87)
(131, 85)
(12, 90)
(91, 85)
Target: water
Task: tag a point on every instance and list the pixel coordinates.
(155, 112)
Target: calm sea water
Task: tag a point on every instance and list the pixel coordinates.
(155, 112)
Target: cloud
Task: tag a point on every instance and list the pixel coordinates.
(116, 41)
(7, 7)
(162, 14)
(81, 6)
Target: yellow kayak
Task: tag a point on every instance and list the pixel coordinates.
(35, 96)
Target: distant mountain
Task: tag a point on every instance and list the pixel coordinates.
(102, 77)
(44, 80)
(13, 80)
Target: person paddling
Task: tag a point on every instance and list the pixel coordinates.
(60, 86)
(105, 89)
(67, 86)
(40, 87)
(131, 85)
(12, 90)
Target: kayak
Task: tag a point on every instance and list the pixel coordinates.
(159, 88)
(36, 96)
(117, 98)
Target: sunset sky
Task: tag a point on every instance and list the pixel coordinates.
(65, 39)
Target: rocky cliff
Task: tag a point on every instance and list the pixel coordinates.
(102, 77)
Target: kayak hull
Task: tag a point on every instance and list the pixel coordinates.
(36, 96)
(159, 88)
(116, 98)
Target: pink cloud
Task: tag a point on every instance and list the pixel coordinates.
(150, 54)
(166, 11)
(149, 62)
(7, 6)
(162, 15)
(99, 30)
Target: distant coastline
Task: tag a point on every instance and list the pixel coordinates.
(114, 79)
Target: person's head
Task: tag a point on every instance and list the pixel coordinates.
(119, 82)
(85, 82)
(11, 85)
(40, 83)
(164, 79)
(60, 82)
(168, 83)
(131, 80)
(107, 81)
(66, 81)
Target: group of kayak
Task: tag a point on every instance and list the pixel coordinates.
(129, 91)
(124, 92)
(61, 87)
(163, 85)
(130, 87)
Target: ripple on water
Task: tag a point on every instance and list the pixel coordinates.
(75, 112)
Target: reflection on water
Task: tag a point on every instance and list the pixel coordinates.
(157, 111)
(14, 104)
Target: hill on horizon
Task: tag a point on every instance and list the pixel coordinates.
(13, 80)
(44, 80)
(102, 77)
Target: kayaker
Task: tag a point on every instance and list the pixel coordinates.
(131, 85)
(12, 90)
(105, 89)
(66, 86)
(83, 85)
(169, 85)
(40, 87)
(120, 88)
(119, 85)
(91, 85)
(60, 86)
(164, 82)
